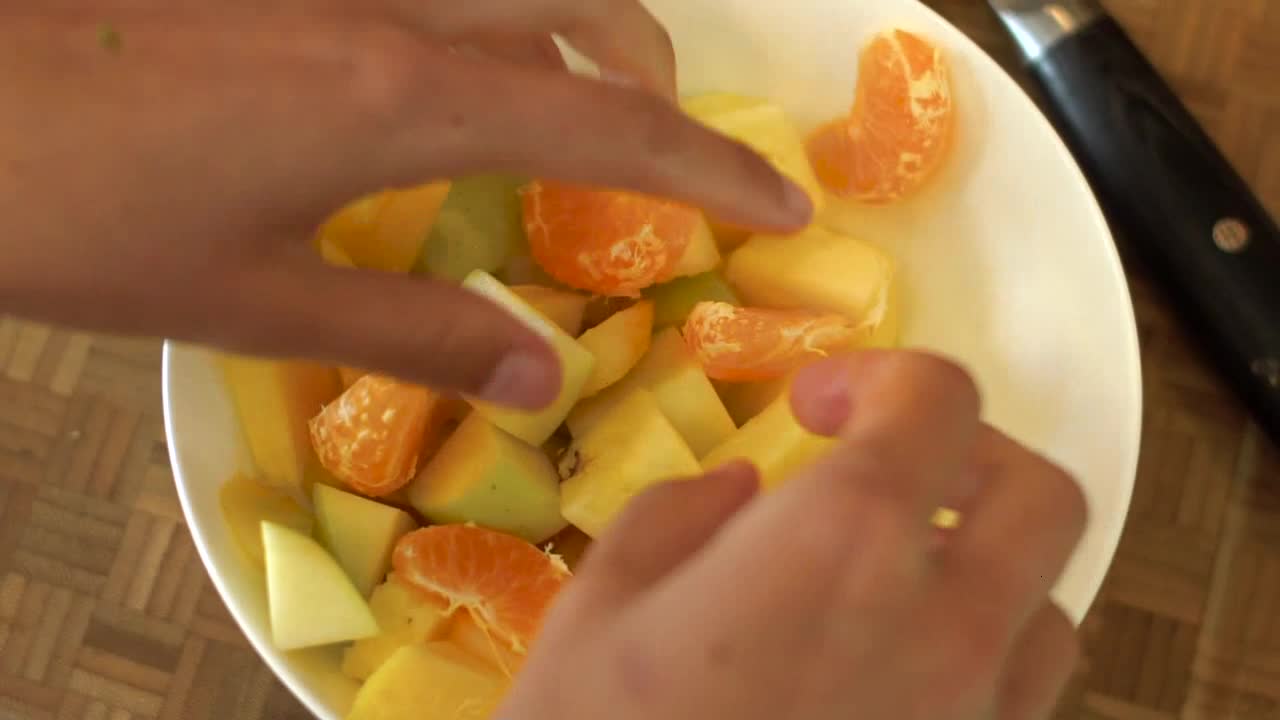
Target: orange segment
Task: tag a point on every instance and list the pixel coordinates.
(899, 129)
(604, 241)
(505, 584)
(371, 436)
(738, 344)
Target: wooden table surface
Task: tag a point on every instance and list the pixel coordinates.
(107, 614)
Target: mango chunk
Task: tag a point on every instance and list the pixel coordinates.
(576, 363)
(618, 343)
(818, 269)
(310, 598)
(360, 533)
(385, 231)
(702, 255)
(245, 503)
(432, 681)
(404, 617)
(484, 475)
(632, 447)
(274, 399)
(677, 381)
(773, 441)
(565, 308)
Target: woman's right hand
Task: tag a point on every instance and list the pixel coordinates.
(832, 597)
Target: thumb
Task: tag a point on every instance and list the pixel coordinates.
(418, 329)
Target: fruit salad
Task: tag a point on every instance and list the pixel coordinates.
(428, 534)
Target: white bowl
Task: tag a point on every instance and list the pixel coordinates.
(1008, 263)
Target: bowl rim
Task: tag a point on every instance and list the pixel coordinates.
(984, 65)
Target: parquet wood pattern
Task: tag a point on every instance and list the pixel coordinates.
(107, 614)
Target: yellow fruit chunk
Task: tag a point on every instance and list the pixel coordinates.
(274, 400)
(686, 396)
(386, 231)
(246, 503)
(764, 127)
(359, 532)
(702, 255)
(486, 476)
(332, 254)
(632, 447)
(774, 442)
(576, 366)
(818, 270)
(565, 308)
(433, 681)
(311, 600)
(618, 343)
(747, 400)
(404, 617)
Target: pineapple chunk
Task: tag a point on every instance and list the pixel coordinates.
(817, 269)
(773, 441)
(245, 503)
(435, 681)
(686, 396)
(630, 449)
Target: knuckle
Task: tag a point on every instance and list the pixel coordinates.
(1065, 496)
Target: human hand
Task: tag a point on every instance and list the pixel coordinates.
(170, 186)
(831, 597)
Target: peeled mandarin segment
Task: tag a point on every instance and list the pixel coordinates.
(371, 437)
(505, 583)
(899, 129)
(605, 241)
(751, 344)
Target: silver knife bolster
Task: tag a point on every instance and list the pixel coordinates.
(1038, 25)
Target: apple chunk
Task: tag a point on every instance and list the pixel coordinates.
(360, 533)
(576, 363)
(311, 599)
(482, 474)
(687, 398)
(632, 447)
(618, 343)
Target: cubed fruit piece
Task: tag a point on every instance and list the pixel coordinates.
(565, 308)
(522, 269)
(576, 366)
(618, 344)
(817, 270)
(274, 399)
(470, 636)
(359, 532)
(478, 228)
(433, 681)
(405, 616)
(774, 442)
(682, 390)
(672, 301)
(486, 476)
(246, 503)
(766, 128)
(386, 231)
(310, 598)
(332, 254)
(747, 400)
(632, 447)
(702, 255)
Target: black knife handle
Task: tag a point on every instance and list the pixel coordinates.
(1171, 196)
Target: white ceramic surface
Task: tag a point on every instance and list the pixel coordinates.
(1007, 261)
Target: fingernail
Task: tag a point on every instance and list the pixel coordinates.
(795, 202)
(524, 380)
(822, 397)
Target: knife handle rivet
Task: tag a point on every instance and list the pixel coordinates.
(1269, 370)
(1230, 235)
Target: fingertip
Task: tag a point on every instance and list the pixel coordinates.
(822, 396)
(527, 378)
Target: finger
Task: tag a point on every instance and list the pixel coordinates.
(1040, 666)
(621, 36)
(1016, 538)
(631, 556)
(413, 328)
(536, 50)
(477, 115)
